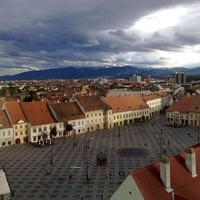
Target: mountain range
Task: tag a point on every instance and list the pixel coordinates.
(96, 72)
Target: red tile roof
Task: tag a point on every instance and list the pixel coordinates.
(15, 111)
(125, 103)
(150, 97)
(91, 103)
(183, 184)
(4, 121)
(186, 103)
(37, 112)
(67, 111)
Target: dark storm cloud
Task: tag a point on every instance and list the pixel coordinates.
(42, 34)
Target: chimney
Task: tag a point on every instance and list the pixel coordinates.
(165, 173)
(190, 161)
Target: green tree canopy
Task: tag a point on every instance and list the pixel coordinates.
(53, 132)
(68, 127)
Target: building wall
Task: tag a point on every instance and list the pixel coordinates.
(155, 106)
(94, 120)
(6, 137)
(20, 132)
(79, 125)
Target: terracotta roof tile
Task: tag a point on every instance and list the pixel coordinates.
(183, 184)
(15, 111)
(150, 97)
(186, 103)
(37, 112)
(125, 103)
(91, 103)
(4, 121)
(67, 111)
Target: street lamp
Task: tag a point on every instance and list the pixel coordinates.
(51, 162)
(86, 146)
(73, 137)
(198, 133)
(86, 159)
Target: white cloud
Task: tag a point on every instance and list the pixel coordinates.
(50, 34)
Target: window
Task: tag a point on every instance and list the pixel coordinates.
(15, 127)
(40, 129)
(45, 128)
(8, 132)
(9, 143)
(20, 126)
(3, 133)
(21, 132)
(82, 122)
(95, 114)
(3, 144)
(60, 125)
(34, 138)
(16, 134)
(34, 130)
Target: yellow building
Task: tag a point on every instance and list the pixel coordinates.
(18, 121)
(97, 113)
(186, 111)
(127, 109)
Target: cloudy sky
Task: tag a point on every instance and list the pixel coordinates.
(41, 34)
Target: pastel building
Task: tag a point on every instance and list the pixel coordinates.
(18, 121)
(186, 111)
(40, 120)
(154, 102)
(95, 111)
(127, 109)
(68, 113)
(6, 130)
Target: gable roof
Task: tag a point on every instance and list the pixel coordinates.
(186, 103)
(148, 181)
(125, 103)
(91, 103)
(37, 112)
(150, 97)
(15, 112)
(67, 111)
(4, 121)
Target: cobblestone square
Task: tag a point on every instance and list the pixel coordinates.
(27, 166)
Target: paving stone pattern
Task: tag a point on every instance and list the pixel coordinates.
(26, 166)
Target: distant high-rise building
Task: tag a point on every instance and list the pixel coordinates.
(135, 78)
(148, 79)
(179, 78)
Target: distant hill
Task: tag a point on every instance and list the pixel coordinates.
(95, 72)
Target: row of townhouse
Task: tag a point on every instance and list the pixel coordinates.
(23, 122)
(186, 111)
